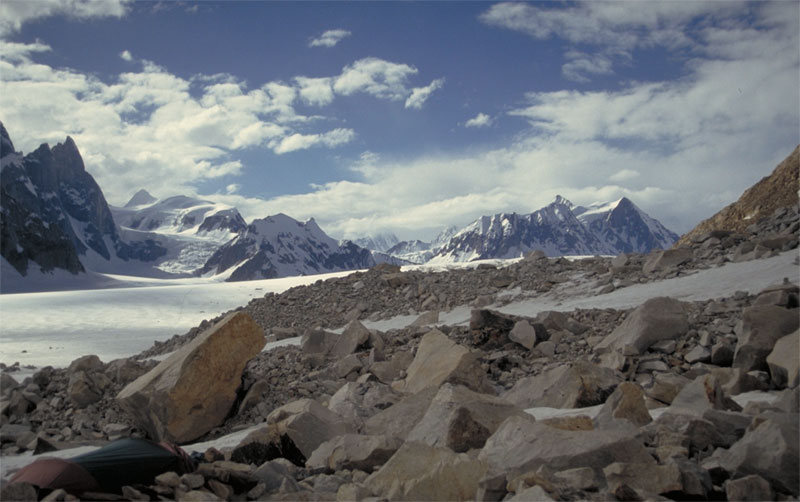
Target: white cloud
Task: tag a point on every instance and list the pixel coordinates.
(329, 38)
(13, 13)
(624, 175)
(299, 141)
(579, 64)
(374, 76)
(315, 91)
(419, 95)
(126, 55)
(479, 120)
(617, 28)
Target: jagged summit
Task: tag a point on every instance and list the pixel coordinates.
(141, 198)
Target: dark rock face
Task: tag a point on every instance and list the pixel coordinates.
(53, 211)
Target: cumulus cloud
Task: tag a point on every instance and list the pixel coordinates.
(374, 76)
(299, 141)
(329, 38)
(315, 91)
(126, 55)
(14, 13)
(419, 95)
(479, 120)
(624, 175)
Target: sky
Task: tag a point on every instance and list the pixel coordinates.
(409, 117)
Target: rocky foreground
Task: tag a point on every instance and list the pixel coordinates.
(432, 411)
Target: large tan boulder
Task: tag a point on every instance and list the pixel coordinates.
(192, 391)
(439, 359)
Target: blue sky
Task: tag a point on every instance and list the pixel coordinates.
(409, 117)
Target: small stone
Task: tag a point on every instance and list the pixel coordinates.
(170, 479)
(749, 488)
(193, 481)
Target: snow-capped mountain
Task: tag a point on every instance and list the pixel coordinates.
(380, 242)
(417, 251)
(280, 246)
(624, 227)
(55, 215)
(558, 229)
(190, 229)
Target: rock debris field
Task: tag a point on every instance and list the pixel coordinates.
(423, 385)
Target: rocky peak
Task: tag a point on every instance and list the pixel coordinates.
(6, 146)
(141, 198)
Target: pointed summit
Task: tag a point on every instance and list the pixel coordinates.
(6, 146)
(561, 201)
(141, 198)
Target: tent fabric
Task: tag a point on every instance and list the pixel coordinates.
(124, 462)
(132, 461)
(54, 473)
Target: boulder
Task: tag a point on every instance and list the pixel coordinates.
(490, 329)
(781, 295)
(576, 386)
(426, 319)
(418, 471)
(666, 386)
(85, 388)
(625, 403)
(761, 326)
(656, 319)
(784, 361)
(667, 259)
(521, 444)
(769, 449)
(355, 402)
(527, 335)
(302, 426)
(354, 451)
(749, 488)
(703, 393)
(461, 419)
(400, 418)
(192, 391)
(441, 360)
(648, 476)
(353, 336)
(317, 341)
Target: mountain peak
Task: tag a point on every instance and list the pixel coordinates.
(141, 198)
(6, 146)
(561, 201)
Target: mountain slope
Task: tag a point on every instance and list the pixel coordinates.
(280, 246)
(558, 229)
(54, 213)
(772, 192)
(625, 228)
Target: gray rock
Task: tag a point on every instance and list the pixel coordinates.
(461, 419)
(782, 295)
(761, 327)
(667, 259)
(701, 394)
(354, 451)
(784, 361)
(426, 319)
(400, 418)
(524, 334)
(722, 353)
(769, 449)
(441, 360)
(656, 319)
(318, 341)
(353, 336)
(749, 488)
(579, 478)
(648, 476)
(699, 354)
(582, 384)
(625, 403)
(521, 444)
(418, 471)
(306, 423)
(348, 364)
(535, 492)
